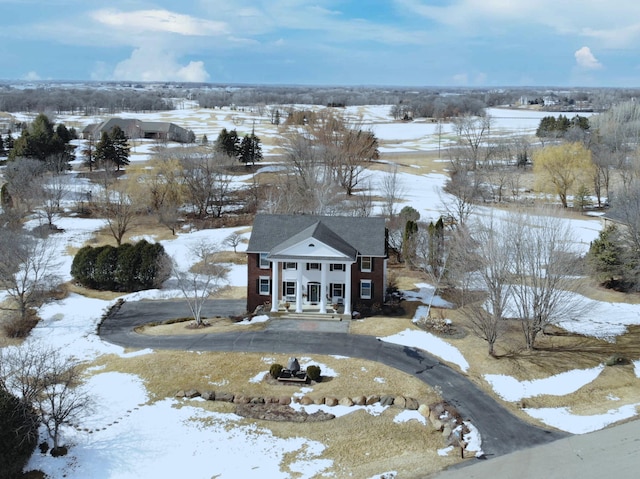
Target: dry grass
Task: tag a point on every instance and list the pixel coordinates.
(409, 448)
(215, 325)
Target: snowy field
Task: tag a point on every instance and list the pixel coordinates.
(127, 436)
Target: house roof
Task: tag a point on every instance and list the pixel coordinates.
(317, 231)
(348, 235)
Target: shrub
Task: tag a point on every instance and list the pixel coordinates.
(615, 360)
(18, 327)
(313, 372)
(125, 268)
(275, 370)
(18, 434)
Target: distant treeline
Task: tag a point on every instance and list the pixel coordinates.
(431, 102)
(85, 101)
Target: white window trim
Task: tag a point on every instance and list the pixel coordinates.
(289, 265)
(369, 283)
(337, 267)
(362, 268)
(264, 263)
(264, 280)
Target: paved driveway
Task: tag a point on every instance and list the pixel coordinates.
(501, 431)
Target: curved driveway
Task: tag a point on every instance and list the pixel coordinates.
(501, 431)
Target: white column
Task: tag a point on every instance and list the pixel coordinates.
(299, 287)
(275, 285)
(323, 287)
(347, 289)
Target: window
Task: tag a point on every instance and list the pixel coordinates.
(337, 290)
(316, 266)
(289, 265)
(336, 267)
(366, 289)
(264, 285)
(289, 288)
(264, 262)
(365, 264)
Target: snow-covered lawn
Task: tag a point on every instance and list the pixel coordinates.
(129, 437)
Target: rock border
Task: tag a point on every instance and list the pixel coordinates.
(441, 416)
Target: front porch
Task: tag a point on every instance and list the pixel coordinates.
(307, 312)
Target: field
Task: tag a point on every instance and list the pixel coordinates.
(138, 428)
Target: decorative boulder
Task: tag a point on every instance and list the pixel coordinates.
(360, 401)
(386, 401)
(208, 395)
(331, 401)
(306, 401)
(284, 401)
(225, 397)
(411, 404)
(372, 399)
(345, 402)
(191, 393)
(400, 401)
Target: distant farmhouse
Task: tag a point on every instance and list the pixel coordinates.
(133, 128)
(311, 262)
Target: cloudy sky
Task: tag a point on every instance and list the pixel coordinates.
(325, 42)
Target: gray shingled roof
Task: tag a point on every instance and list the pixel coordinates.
(320, 232)
(366, 236)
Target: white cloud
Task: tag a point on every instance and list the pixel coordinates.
(587, 60)
(461, 79)
(159, 21)
(152, 64)
(32, 76)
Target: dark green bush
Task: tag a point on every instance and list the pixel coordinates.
(314, 372)
(125, 268)
(275, 370)
(18, 434)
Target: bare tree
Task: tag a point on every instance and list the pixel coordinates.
(28, 268)
(119, 211)
(164, 192)
(60, 400)
(233, 240)
(48, 381)
(207, 182)
(53, 191)
(465, 188)
(542, 289)
(391, 190)
(24, 183)
(492, 263)
(205, 278)
(473, 133)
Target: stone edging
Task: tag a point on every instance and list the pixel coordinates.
(441, 416)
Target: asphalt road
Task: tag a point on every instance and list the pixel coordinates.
(501, 431)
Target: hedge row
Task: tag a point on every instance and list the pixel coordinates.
(125, 268)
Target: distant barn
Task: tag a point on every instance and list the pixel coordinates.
(133, 128)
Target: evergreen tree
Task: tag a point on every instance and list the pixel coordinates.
(18, 434)
(42, 142)
(9, 142)
(121, 147)
(228, 143)
(205, 140)
(606, 256)
(2, 150)
(104, 151)
(112, 148)
(250, 150)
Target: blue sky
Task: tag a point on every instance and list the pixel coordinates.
(325, 42)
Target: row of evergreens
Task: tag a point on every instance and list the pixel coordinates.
(124, 268)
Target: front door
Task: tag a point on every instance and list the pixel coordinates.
(314, 293)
